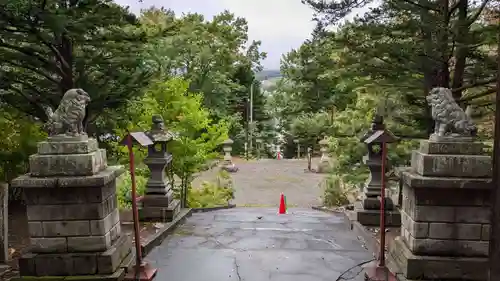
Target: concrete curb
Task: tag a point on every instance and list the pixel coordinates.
(365, 237)
(158, 238)
(210, 209)
(362, 234)
(325, 209)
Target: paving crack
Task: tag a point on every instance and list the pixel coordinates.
(237, 269)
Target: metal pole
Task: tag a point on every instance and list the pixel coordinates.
(134, 206)
(251, 117)
(494, 250)
(382, 208)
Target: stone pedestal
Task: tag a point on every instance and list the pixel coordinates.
(72, 211)
(368, 211)
(158, 204)
(445, 214)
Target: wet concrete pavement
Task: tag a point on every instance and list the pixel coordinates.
(255, 244)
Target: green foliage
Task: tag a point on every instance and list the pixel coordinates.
(19, 135)
(212, 194)
(48, 47)
(334, 195)
(124, 189)
(351, 123)
(198, 138)
(309, 127)
(217, 60)
(418, 45)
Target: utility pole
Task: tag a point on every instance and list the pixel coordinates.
(494, 251)
(251, 117)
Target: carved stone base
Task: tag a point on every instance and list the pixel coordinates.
(68, 156)
(441, 165)
(68, 164)
(451, 138)
(161, 214)
(412, 267)
(372, 217)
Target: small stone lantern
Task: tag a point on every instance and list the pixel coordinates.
(259, 147)
(324, 165)
(297, 142)
(369, 212)
(227, 163)
(158, 203)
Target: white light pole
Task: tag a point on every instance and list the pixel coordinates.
(251, 118)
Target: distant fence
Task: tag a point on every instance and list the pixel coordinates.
(4, 246)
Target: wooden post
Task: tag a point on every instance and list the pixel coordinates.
(494, 251)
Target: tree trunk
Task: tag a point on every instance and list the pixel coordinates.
(66, 50)
(494, 251)
(462, 31)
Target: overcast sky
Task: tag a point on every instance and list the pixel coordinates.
(281, 25)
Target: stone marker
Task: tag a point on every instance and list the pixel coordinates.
(158, 203)
(368, 211)
(71, 200)
(297, 142)
(446, 202)
(324, 165)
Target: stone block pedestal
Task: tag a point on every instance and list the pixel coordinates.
(445, 214)
(73, 218)
(371, 217)
(368, 210)
(158, 203)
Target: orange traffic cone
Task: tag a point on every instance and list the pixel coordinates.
(282, 209)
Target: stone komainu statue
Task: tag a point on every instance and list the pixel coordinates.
(68, 117)
(448, 115)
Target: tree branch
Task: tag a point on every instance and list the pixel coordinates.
(479, 95)
(477, 84)
(421, 5)
(35, 70)
(454, 7)
(474, 17)
(29, 53)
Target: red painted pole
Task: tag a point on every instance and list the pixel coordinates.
(135, 213)
(382, 208)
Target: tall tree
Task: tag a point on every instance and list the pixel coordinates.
(208, 53)
(50, 46)
(429, 42)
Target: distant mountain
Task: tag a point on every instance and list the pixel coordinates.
(268, 74)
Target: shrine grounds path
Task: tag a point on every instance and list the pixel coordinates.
(259, 183)
(256, 244)
(253, 243)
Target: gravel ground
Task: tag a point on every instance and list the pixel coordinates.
(259, 183)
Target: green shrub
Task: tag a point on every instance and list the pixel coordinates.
(124, 189)
(212, 194)
(334, 195)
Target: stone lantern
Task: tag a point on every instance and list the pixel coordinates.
(228, 164)
(297, 142)
(158, 203)
(259, 147)
(368, 212)
(324, 165)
